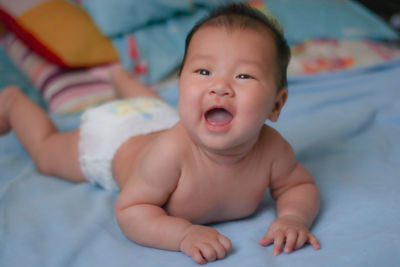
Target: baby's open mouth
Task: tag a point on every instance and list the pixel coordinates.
(218, 116)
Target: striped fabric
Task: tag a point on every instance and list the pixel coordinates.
(64, 90)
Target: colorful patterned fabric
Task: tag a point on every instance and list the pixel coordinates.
(64, 90)
(329, 55)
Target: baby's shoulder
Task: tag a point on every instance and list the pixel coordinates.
(271, 138)
(171, 142)
(275, 146)
(278, 148)
(163, 154)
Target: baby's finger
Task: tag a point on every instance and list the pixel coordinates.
(226, 243)
(208, 252)
(278, 242)
(313, 241)
(197, 257)
(301, 239)
(219, 249)
(266, 240)
(291, 238)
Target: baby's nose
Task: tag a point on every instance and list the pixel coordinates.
(222, 89)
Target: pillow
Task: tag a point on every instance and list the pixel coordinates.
(328, 55)
(59, 31)
(9, 74)
(125, 16)
(122, 16)
(336, 19)
(153, 52)
(64, 90)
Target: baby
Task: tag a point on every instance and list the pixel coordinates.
(211, 161)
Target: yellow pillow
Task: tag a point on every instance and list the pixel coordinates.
(63, 33)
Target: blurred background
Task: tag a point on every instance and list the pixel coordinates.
(389, 10)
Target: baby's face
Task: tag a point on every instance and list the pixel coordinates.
(228, 86)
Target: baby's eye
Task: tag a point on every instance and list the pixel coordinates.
(244, 76)
(203, 72)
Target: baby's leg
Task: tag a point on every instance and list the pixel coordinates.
(54, 153)
(129, 87)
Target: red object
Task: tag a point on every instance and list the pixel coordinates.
(29, 40)
(140, 68)
(133, 50)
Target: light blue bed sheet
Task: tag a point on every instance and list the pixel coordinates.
(345, 130)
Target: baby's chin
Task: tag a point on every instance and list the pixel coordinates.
(224, 146)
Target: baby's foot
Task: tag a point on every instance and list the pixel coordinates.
(6, 97)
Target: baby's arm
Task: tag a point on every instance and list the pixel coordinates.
(297, 200)
(141, 216)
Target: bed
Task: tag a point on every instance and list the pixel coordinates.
(342, 118)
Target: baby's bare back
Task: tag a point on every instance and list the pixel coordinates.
(128, 155)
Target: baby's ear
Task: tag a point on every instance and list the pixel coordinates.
(280, 101)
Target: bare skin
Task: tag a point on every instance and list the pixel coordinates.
(39, 136)
(175, 180)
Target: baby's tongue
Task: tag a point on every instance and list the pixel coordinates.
(218, 116)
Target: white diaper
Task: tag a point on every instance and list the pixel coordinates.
(104, 128)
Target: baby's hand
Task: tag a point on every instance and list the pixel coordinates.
(293, 232)
(205, 244)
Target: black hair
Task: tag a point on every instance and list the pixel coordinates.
(239, 15)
